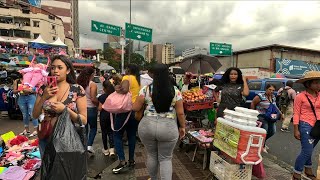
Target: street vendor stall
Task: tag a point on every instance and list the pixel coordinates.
(19, 157)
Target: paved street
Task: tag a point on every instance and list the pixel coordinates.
(286, 148)
(183, 168)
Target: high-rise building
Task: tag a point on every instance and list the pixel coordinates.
(113, 41)
(67, 10)
(148, 51)
(157, 52)
(193, 51)
(168, 53)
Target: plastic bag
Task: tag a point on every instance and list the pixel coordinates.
(65, 155)
(258, 170)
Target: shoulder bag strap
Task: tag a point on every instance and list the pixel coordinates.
(112, 123)
(312, 107)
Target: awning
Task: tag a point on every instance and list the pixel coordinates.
(39, 40)
(58, 42)
(82, 65)
(18, 41)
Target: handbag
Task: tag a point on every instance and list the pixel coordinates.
(315, 131)
(139, 114)
(45, 129)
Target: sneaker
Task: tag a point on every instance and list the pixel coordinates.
(90, 149)
(111, 151)
(106, 152)
(285, 130)
(132, 164)
(265, 150)
(33, 134)
(117, 169)
(24, 133)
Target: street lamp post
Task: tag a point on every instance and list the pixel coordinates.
(122, 43)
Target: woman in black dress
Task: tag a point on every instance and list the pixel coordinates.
(234, 88)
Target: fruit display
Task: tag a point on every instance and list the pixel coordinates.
(194, 95)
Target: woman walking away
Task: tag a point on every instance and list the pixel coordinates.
(233, 89)
(262, 103)
(26, 101)
(67, 94)
(306, 114)
(130, 83)
(105, 122)
(85, 80)
(158, 128)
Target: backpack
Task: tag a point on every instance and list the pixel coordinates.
(272, 113)
(284, 98)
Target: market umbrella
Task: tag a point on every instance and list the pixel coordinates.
(278, 76)
(200, 64)
(24, 63)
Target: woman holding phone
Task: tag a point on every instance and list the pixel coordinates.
(66, 94)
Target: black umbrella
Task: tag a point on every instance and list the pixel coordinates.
(200, 64)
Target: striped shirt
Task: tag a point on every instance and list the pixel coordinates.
(264, 104)
(302, 109)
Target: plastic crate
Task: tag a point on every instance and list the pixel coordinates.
(227, 170)
(189, 106)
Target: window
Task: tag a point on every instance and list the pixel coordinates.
(36, 23)
(52, 17)
(22, 34)
(256, 85)
(298, 87)
(278, 84)
(54, 38)
(53, 27)
(35, 35)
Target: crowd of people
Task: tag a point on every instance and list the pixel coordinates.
(156, 96)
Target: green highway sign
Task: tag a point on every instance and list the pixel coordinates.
(105, 28)
(138, 33)
(220, 49)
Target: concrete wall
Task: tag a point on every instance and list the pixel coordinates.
(45, 28)
(254, 59)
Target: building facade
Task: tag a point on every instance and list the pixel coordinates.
(168, 53)
(178, 59)
(193, 51)
(148, 51)
(68, 11)
(275, 58)
(157, 52)
(30, 22)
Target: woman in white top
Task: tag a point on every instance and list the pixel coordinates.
(85, 80)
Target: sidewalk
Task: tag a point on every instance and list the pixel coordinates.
(183, 168)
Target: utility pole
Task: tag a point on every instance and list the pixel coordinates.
(130, 39)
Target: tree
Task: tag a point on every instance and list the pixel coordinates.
(113, 58)
(151, 63)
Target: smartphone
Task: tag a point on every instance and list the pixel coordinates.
(52, 80)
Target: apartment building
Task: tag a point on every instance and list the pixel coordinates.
(148, 50)
(28, 23)
(194, 51)
(68, 11)
(168, 53)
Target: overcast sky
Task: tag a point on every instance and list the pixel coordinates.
(186, 24)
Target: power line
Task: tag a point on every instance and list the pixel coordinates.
(239, 35)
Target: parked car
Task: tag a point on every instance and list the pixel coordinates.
(257, 86)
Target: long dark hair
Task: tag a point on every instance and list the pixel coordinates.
(134, 70)
(84, 77)
(71, 77)
(226, 76)
(163, 90)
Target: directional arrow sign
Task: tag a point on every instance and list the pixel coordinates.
(220, 49)
(138, 32)
(105, 28)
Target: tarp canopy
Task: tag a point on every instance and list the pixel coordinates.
(39, 40)
(105, 67)
(18, 41)
(58, 42)
(3, 40)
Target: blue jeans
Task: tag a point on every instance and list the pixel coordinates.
(131, 128)
(270, 127)
(92, 123)
(26, 104)
(307, 146)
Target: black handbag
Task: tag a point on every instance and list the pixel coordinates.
(315, 131)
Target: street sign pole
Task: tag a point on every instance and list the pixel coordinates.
(130, 38)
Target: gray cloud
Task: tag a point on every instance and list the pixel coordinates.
(190, 23)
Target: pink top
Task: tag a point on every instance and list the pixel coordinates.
(302, 108)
